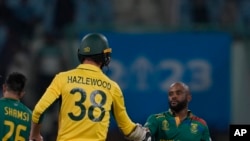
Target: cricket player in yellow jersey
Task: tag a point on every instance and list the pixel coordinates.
(87, 97)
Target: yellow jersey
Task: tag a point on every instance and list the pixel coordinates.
(87, 97)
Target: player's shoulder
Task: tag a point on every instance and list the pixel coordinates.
(71, 71)
(159, 115)
(198, 119)
(21, 106)
(26, 108)
(67, 74)
(4, 100)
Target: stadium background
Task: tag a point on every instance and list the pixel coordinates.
(202, 42)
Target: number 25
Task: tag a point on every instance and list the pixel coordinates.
(9, 134)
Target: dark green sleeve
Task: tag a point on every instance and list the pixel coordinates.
(206, 135)
(152, 124)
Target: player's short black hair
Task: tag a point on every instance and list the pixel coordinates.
(103, 58)
(98, 58)
(15, 81)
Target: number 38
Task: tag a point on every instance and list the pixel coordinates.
(90, 111)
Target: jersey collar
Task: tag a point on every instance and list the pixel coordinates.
(89, 67)
(173, 114)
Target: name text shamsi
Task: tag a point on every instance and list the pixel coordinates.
(16, 113)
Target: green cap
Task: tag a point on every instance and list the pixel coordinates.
(94, 43)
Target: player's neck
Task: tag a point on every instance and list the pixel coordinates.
(91, 63)
(11, 95)
(182, 114)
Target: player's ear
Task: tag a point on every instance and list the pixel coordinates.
(21, 94)
(4, 87)
(189, 97)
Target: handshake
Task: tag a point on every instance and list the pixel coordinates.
(139, 134)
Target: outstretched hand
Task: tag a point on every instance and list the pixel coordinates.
(148, 135)
(140, 133)
(39, 138)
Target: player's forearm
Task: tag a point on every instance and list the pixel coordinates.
(35, 132)
(123, 121)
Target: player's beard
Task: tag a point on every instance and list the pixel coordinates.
(179, 106)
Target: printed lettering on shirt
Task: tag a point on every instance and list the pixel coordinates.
(89, 81)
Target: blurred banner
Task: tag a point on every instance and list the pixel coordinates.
(144, 65)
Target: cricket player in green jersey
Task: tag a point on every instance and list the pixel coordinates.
(15, 118)
(87, 98)
(178, 123)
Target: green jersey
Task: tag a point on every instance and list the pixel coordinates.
(15, 120)
(166, 127)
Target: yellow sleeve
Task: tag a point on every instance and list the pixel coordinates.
(49, 97)
(123, 120)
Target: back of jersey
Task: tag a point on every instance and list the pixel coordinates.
(86, 99)
(15, 120)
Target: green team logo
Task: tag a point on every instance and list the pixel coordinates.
(165, 125)
(194, 128)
